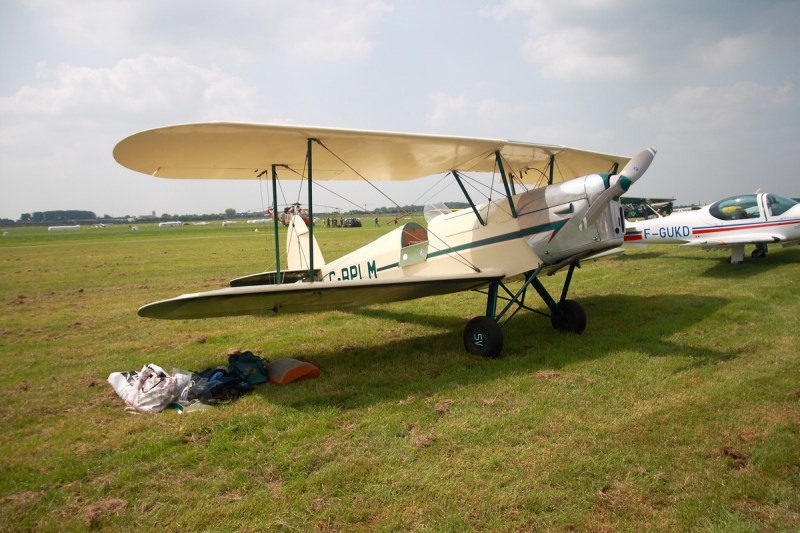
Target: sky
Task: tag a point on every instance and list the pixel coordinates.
(713, 85)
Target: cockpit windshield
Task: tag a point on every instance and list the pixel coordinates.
(432, 211)
(778, 205)
(736, 208)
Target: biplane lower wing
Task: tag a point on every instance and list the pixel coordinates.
(308, 297)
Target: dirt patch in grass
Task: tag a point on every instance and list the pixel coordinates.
(99, 510)
(738, 458)
(20, 501)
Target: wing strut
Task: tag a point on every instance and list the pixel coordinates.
(275, 222)
(509, 188)
(457, 176)
(509, 191)
(310, 212)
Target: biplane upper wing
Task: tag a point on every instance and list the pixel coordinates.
(225, 150)
(317, 296)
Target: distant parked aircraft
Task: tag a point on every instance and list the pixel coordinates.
(734, 222)
(646, 207)
(63, 228)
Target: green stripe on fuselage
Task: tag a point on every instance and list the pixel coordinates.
(554, 226)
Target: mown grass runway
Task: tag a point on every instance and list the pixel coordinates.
(678, 408)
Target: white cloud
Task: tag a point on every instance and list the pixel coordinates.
(242, 31)
(620, 40)
(91, 22)
(730, 51)
(160, 86)
(579, 53)
(568, 41)
(463, 113)
(703, 110)
(331, 31)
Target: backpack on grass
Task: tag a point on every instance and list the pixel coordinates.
(247, 367)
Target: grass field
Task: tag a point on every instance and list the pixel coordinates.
(677, 409)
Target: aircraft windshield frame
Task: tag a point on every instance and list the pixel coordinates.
(736, 207)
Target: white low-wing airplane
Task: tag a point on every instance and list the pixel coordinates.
(734, 222)
(575, 216)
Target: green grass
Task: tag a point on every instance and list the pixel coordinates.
(677, 409)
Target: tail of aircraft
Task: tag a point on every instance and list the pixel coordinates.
(298, 255)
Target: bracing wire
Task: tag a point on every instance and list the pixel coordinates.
(424, 194)
(261, 192)
(342, 161)
(359, 207)
(460, 257)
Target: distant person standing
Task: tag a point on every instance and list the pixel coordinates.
(376, 221)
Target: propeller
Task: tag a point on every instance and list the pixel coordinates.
(619, 184)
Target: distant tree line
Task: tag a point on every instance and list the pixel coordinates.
(69, 215)
(394, 210)
(75, 216)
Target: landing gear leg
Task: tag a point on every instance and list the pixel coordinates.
(483, 334)
(737, 254)
(760, 252)
(565, 315)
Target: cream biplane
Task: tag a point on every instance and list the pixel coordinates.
(573, 216)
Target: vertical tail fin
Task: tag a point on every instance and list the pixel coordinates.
(298, 255)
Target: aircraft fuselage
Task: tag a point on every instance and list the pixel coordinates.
(758, 219)
(458, 242)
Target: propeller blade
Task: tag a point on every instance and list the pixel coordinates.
(619, 184)
(636, 167)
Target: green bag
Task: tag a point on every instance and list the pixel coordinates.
(247, 367)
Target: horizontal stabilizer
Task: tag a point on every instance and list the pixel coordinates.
(271, 278)
(316, 296)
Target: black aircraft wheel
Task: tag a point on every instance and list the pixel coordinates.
(759, 253)
(569, 316)
(483, 337)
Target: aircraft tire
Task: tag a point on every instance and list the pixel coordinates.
(483, 337)
(569, 316)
